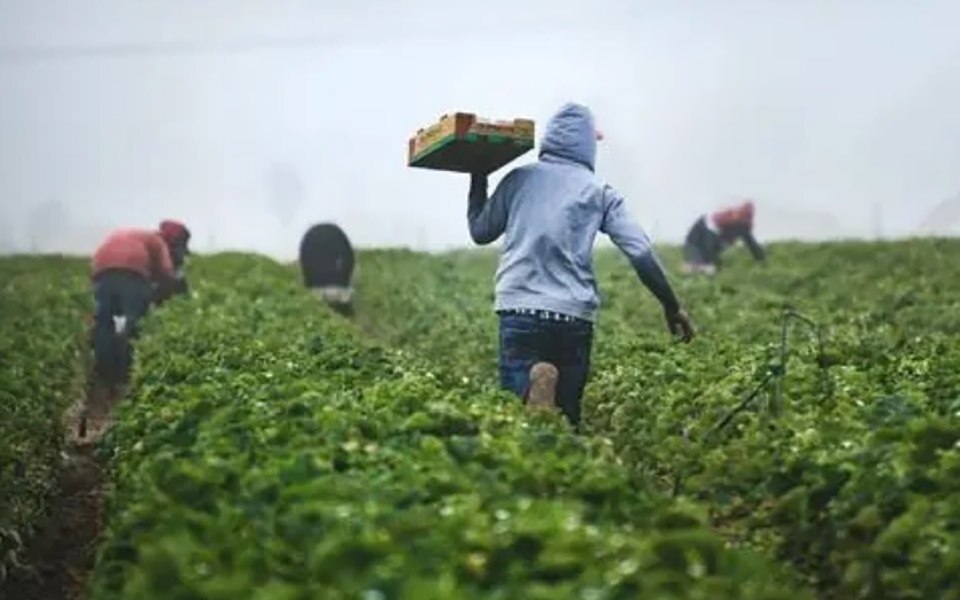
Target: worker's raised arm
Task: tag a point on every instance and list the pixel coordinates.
(487, 218)
(634, 243)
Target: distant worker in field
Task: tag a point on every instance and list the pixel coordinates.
(131, 269)
(326, 261)
(546, 294)
(714, 233)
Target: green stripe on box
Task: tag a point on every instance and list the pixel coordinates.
(470, 137)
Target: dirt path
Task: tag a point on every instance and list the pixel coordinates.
(63, 552)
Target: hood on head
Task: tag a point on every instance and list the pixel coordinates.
(571, 134)
(175, 232)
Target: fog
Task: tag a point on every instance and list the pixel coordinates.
(250, 120)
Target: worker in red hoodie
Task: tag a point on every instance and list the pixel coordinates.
(131, 269)
(714, 233)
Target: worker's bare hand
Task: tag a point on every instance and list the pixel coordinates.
(681, 326)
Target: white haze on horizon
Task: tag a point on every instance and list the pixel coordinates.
(250, 120)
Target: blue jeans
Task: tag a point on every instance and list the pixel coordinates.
(528, 339)
(117, 293)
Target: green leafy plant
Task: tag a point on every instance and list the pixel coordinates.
(847, 484)
(269, 450)
(43, 301)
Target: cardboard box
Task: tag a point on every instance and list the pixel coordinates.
(465, 143)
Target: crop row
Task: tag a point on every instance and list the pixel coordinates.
(43, 301)
(268, 450)
(853, 483)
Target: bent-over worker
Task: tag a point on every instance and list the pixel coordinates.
(714, 233)
(326, 263)
(130, 269)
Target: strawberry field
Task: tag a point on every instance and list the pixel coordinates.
(271, 449)
(851, 480)
(42, 305)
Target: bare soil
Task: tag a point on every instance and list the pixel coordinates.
(62, 554)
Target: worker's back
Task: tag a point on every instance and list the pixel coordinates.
(555, 208)
(134, 250)
(732, 223)
(326, 257)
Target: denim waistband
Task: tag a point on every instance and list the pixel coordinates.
(546, 315)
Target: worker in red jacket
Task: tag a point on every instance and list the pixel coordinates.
(714, 233)
(131, 269)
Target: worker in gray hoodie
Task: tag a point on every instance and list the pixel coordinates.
(546, 296)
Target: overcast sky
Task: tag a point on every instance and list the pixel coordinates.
(252, 119)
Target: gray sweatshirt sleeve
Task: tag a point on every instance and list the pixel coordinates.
(634, 243)
(487, 218)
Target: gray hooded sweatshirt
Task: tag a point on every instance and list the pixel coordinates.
(550, 213)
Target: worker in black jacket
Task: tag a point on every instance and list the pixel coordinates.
(327, 262)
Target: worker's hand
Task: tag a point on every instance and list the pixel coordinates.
(163, 291)
(681, 326)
